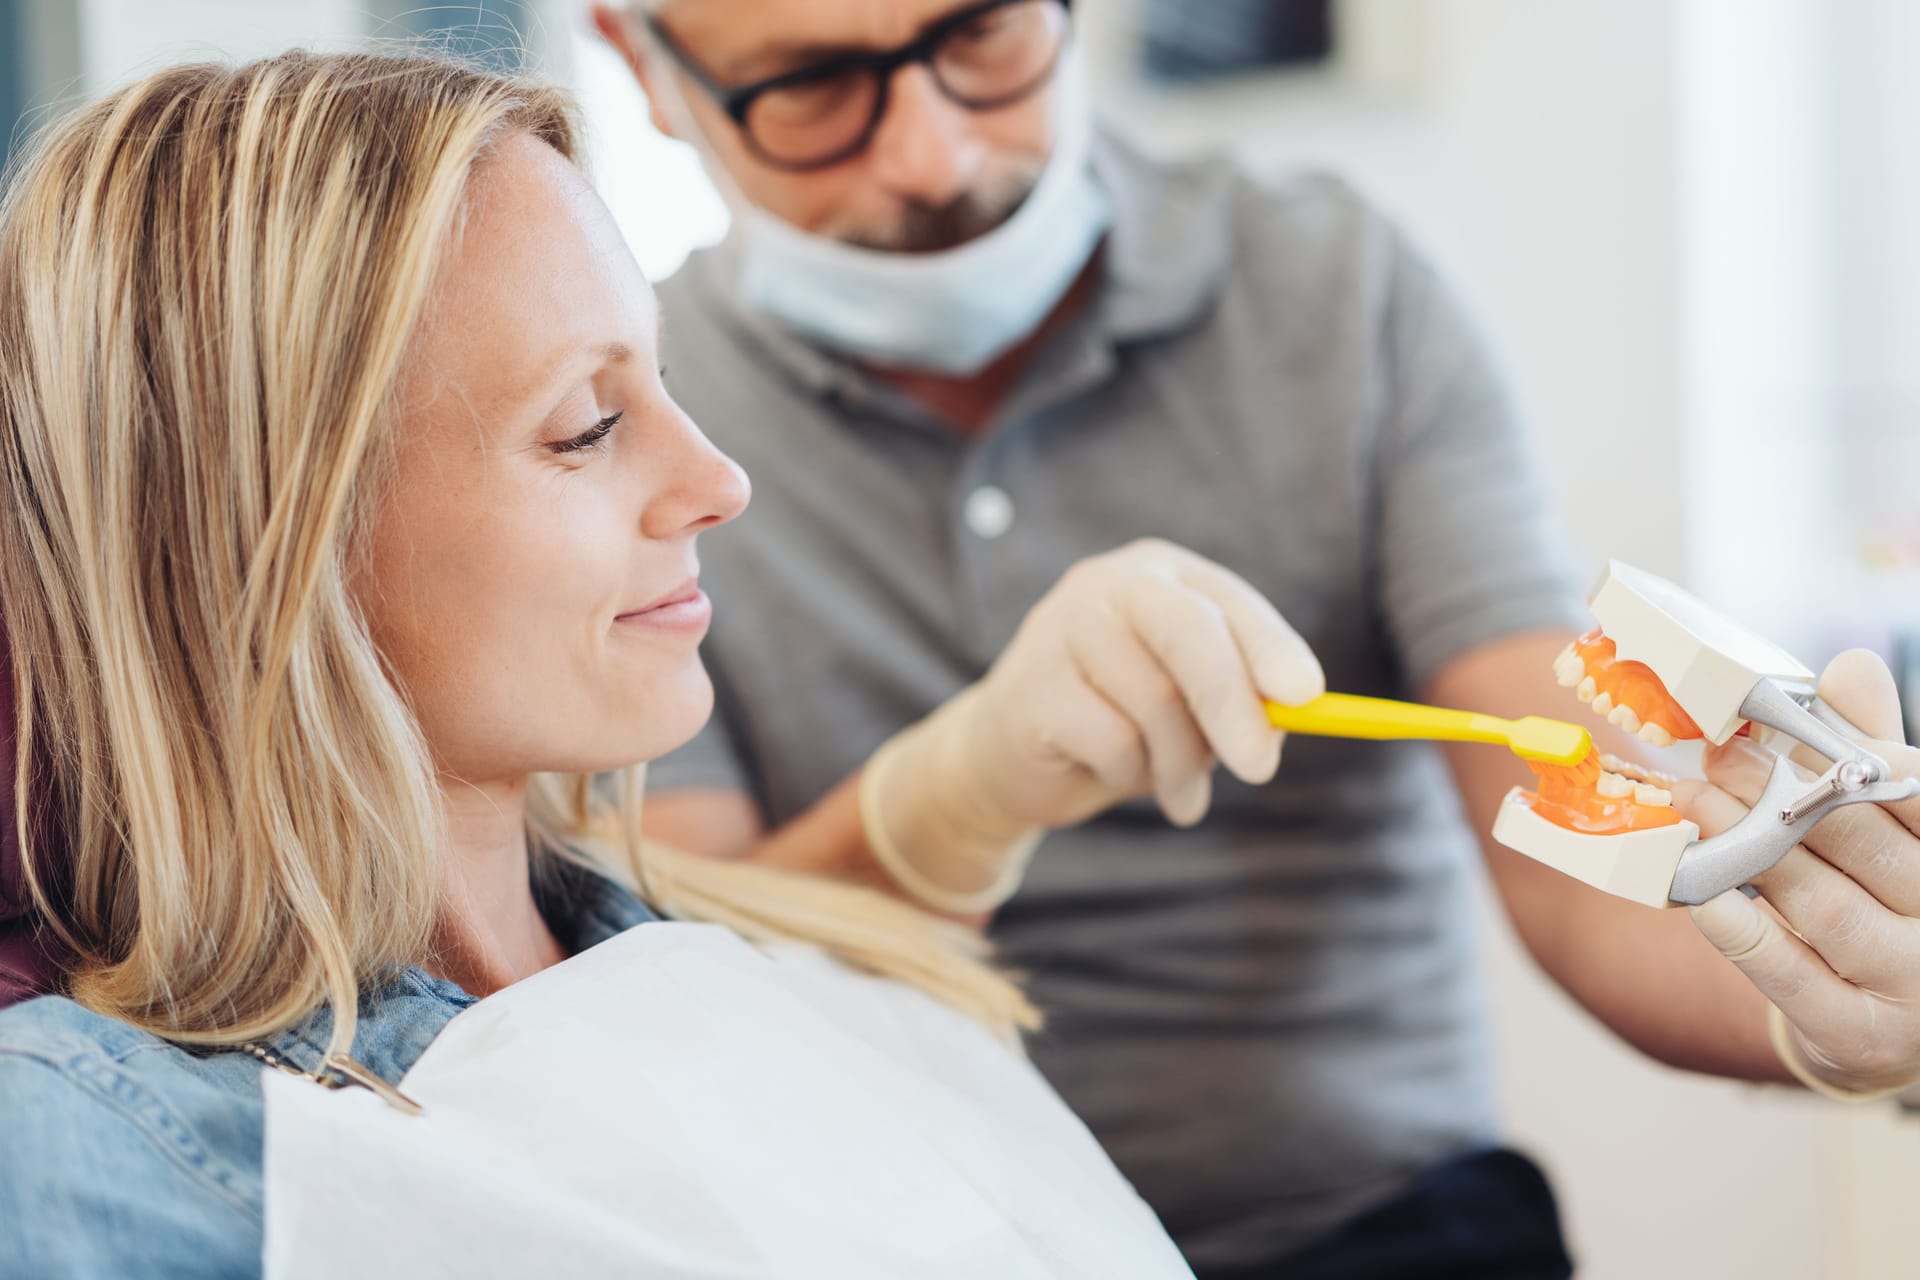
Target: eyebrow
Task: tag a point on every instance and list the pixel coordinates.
(783, 56)
(603, 354)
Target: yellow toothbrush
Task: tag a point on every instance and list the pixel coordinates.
(1343, 715)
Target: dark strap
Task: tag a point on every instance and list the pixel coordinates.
(1485, 1216)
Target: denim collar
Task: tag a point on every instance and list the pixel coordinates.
(400, 1018)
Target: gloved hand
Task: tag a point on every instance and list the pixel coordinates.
(1135, 674)
(1838, 952)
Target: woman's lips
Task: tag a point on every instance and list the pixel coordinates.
(687, 610)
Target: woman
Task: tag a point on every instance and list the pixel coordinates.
(346, 531)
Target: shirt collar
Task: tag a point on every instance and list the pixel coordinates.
(1170, 246)
(399, 1019)
(582, 905)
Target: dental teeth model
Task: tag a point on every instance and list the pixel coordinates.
(1666, 668)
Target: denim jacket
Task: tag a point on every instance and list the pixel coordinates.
(122, 1154)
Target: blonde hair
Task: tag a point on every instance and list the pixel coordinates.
(208, 283)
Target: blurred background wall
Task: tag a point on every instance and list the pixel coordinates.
(1693, 227)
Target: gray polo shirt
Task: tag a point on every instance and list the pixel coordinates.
(1271, 1021)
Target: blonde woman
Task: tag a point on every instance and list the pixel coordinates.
(343, 521)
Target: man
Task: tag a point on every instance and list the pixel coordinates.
(968, 346)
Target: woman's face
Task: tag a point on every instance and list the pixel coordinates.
(531, 578)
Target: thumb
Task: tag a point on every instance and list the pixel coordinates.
(1785, 969)
(1745, 934)
(1858, 685)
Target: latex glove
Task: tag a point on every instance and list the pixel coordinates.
(1136, 673)
(1838, 954)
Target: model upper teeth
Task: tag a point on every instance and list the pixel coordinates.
(1655, 736)
(1619, 779)
(1570, 671)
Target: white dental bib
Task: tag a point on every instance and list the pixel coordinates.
(676, 1102)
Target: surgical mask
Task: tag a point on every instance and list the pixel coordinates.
(950, 312)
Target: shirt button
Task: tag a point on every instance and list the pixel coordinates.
(989, 511)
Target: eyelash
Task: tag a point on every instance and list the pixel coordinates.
(591, 436)
(597, 432)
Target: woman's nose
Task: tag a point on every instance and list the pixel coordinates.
(706, 488)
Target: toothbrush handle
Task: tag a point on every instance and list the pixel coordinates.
(1345, 715)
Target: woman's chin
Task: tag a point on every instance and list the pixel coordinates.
(612, 729)
(665, 720)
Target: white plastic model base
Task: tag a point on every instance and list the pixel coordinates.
(1638, 865)
(1708, 662)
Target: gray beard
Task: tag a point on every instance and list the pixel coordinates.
(933, 228)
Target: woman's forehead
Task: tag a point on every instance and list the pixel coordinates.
(538, 273)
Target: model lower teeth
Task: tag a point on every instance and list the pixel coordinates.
(1635, 772)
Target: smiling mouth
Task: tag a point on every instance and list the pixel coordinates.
(686, 593)
(1604, 795)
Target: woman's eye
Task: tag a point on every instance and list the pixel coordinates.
(591, 436)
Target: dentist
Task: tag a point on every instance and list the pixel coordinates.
(968, 342)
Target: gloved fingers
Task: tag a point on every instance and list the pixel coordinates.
(1094, 735)
(1851, 932)
(1115, 662)
(1866, 841)
(1188, 636)
(1850, 1037)
(1785, 970)
(1858, 685)
(1833, 942)
(1902, 760)
(1284, 668)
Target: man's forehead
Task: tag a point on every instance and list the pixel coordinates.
(803, 13)
(740, 31)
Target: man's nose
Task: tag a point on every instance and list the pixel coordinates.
(925, 149)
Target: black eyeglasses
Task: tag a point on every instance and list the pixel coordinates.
(984, 56)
